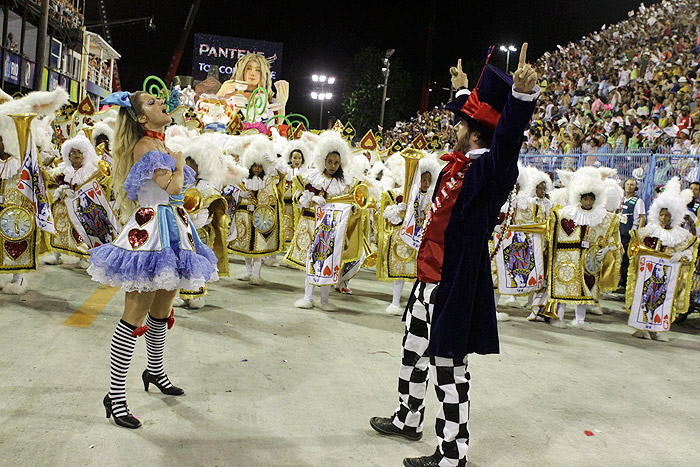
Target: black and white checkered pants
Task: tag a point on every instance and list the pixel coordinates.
(451, 380)
(413, 375)
(449, 376)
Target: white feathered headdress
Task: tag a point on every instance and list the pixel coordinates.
(259, 146)
(82, 144)
(328, 142)
(207, 154)
(297, 145)
(586, 180)
(42, 103)
(430, 164)
(672, 199)
(614, 194)
(102, 128)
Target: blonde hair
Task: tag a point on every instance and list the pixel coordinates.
(127, 134)
(265, 78)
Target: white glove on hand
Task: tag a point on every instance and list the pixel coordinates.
(60, 192)
(245, 194)
(393, 214)
(402, 206)
(320, 200)
(676, 257)
(68, 193)
(600, 254)
(305, 199)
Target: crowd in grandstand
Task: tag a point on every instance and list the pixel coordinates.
(630, 87)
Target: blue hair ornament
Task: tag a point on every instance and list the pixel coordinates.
(122, 99)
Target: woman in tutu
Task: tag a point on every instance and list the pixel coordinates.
(157, 252)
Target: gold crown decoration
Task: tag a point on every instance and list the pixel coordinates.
(369, 141)
(419, 142)
(86, 107)
(349, 131)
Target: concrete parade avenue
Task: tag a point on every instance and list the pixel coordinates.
(271, 385)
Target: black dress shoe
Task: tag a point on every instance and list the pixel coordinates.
(150, 379)
(384, 426)
(427, 461)
(127, 421)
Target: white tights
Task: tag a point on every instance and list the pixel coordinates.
(252, 267)
(579, 311)
(396, 297)
(309, 292)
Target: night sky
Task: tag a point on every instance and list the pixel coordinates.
(324, 36)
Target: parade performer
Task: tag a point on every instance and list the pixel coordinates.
(633, 216)
(158, 250)
(520, 260)
(297, 156)
(451, 312)
(258, 216)
(206, 205)
(396, 260)
(662, 255)
(329, 233)
(82, 213)
(25, 211)
(583, 243)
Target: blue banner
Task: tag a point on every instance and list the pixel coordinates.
(11, 68)
(224, 51)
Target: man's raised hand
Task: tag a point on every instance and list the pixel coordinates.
(525, 76)
(459, 78)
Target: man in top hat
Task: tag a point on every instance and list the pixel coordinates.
(453, 293)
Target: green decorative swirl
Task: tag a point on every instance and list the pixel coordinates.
(258, 103)
(158, 89)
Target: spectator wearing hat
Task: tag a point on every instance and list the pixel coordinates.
(684, 120)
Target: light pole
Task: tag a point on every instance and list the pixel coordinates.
(385, 70)
(508, 50)
(322, 96)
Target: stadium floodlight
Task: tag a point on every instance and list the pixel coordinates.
(331, 80)
(319, 93)
(314, 78)
(503, 48)
(512, 49)
(328, 95)
(314, 95)
(507, 50)
(321, 97)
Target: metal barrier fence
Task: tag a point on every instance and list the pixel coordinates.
(651, 170)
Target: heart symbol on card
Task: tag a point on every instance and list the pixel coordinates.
(657, 319)
(650, 266)
(137, 237)
(568, 225)
(326, 271)
(16, 249)
(144, 215)
(532, 281)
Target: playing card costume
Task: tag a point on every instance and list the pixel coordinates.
(400, 229)
(290, 213)
(451, 312)
(583, 244)
(25, 210)
(333, 222)
(83, 215)
(661, 266)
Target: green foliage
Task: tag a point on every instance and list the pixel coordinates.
(362, 95)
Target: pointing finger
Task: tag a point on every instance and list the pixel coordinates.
(459, 65)
(523, 54)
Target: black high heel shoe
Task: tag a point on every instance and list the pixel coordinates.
(129, 421)
(149, 378)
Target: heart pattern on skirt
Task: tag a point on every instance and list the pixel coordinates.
(143, 215)
(137, 237)
(16, 249)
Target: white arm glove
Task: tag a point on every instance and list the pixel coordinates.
(305, 199)
(244, 194)
(600, 254)
(201, 219)
(58, 194)
(392, 214)
(320, 200)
